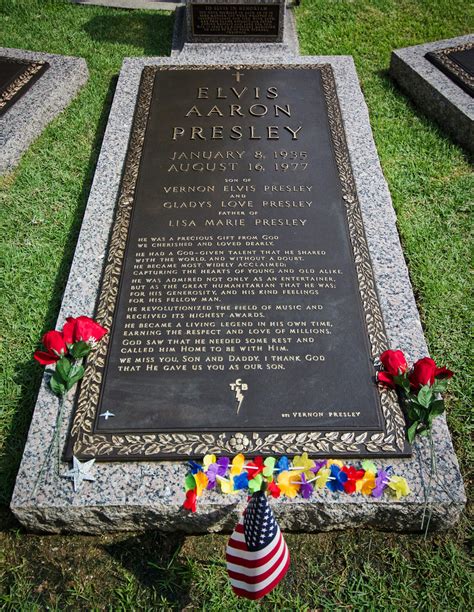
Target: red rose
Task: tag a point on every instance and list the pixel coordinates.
(424, 372)
(55, 346)
(386, 379)
(82, 329)
(394, 362)
(443, 373)
(190, 502)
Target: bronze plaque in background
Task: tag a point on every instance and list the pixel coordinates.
(16, 77)
(238, 289)
(235, 20)
(457, 63)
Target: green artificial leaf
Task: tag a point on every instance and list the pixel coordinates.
(437, 407)
(74, 377)
(415, 411)
(63, 367)
(411, 433)
(80, 349)
(402, 381)
(189, 482)
(56, 384)
(424, 396)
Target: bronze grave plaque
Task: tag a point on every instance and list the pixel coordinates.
(238, 288)
(457, 63)
(243, 21)
(16, 77)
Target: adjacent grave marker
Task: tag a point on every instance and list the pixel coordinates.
(34, 88)
(16, 77)
(439, 78)
(238, 287)
(457, 63)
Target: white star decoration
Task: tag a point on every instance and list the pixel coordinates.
(80, 472)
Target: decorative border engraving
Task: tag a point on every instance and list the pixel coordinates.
(22, 80)
(87, 443)
(442, 57)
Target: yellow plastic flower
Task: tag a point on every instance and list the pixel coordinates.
(366, 484)
(334, 462)
(399, 485)
(322, 477)
(305, 463)
(201, 482)
(237, 465)
(286, 483)
(208, 459)
(227, 486)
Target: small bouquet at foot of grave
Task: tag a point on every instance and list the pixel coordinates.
(302, 476)
(66, 349)
(419, 387)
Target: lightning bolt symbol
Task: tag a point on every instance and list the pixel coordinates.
(239, 397)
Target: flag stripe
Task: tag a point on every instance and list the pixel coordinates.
(260, 577)
(262, 588)
(240, 549)
(252, 571)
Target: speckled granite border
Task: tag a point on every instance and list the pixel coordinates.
(140, 495)
(434, 92)
(48, 96)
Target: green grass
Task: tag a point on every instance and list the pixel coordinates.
(41, 209)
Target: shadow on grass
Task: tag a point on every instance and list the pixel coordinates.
(152, 559)
(154, 32)
(28, 374)
(393, 88)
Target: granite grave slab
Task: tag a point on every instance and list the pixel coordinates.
(44, 96)
(147, 494)
(435, 92)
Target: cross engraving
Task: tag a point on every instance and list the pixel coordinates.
(237, 75)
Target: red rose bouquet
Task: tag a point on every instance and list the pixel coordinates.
(419, 387)
(66, 349)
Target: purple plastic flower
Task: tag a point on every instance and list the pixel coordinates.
(318, 465)
(241, 481)
(337, 479)
(381, 482)
(212, 473)
(306, 489)
(223, 465)
(282, 464)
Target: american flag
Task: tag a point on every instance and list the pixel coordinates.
(257, 555)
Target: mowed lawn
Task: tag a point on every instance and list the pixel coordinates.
(41, 207)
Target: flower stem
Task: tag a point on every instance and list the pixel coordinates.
(433, 473)
(53, 445)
